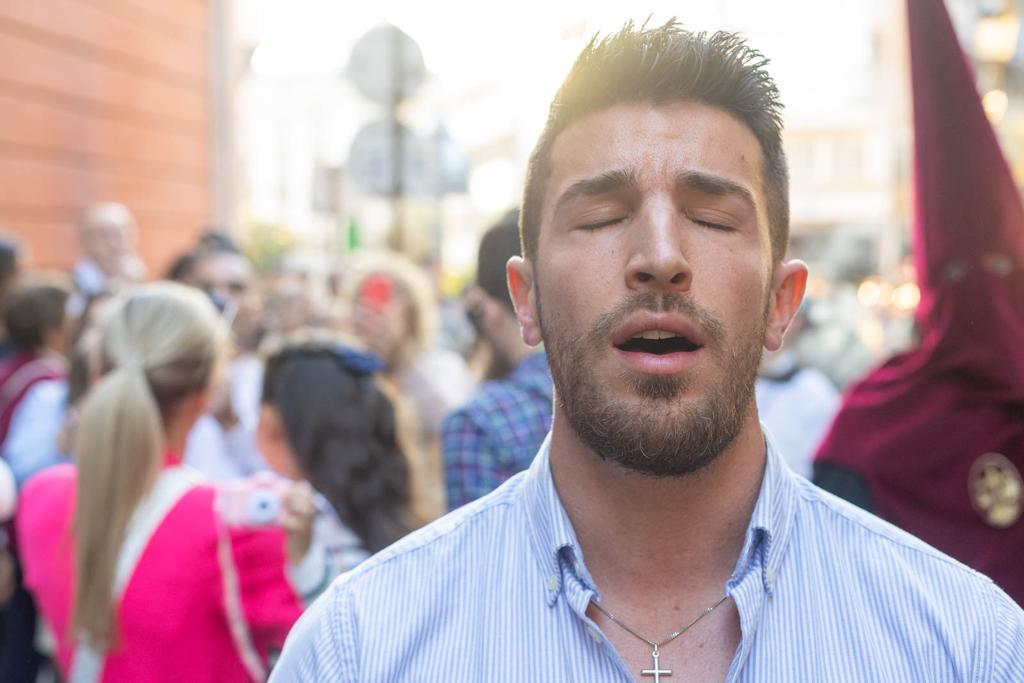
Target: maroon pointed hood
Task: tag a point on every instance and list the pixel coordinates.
(914, 427)
(968, 218)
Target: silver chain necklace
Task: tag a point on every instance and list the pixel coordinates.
(657, 671)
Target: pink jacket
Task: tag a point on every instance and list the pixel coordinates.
(192, 611)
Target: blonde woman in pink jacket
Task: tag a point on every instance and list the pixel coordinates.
(142, 571)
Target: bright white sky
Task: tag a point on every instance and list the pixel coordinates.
(820, 48)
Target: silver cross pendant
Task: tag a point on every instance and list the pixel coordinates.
(657, 671)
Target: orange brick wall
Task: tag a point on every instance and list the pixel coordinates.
(104, 100)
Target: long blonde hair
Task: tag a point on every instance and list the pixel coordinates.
(160, 344)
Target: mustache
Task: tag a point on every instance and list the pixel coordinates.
(673, 302)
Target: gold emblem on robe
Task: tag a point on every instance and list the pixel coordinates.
(997, 490)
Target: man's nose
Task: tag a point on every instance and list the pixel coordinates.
(658, 252)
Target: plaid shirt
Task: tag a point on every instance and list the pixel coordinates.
(496, 433)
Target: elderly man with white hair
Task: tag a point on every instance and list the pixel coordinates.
(107, 231)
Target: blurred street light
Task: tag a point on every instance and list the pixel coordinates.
(906, 297)
(869, 293)
(995, 103)
(996, 37)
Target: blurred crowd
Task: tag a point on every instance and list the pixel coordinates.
(260, 434)
(189, 458)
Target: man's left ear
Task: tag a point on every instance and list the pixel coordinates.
(788, 287)
(524, 298)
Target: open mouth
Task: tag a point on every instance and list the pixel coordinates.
(658, 343)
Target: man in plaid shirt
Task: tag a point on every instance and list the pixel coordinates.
(499, 430)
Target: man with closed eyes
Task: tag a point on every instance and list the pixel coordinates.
(658, 534)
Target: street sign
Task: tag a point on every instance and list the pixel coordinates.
(431, 166)
(387, 65)
(372, 159)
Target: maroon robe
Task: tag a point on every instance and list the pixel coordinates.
(919, 430)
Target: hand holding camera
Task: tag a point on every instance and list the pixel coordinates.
(266, 499)
(299, 513)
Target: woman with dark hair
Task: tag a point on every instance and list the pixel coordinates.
(325, 418)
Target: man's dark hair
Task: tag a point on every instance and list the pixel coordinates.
(32, 311)
(660, 66)
(497, 246)
(213, 242)
(182, 267)
(218, 241)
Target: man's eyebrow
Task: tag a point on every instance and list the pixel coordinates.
(606, 182)
(714, 185)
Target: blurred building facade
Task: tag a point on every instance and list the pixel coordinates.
(106, 101)
(849, 161)
(990, 31)
(847, 123)
(841, 67)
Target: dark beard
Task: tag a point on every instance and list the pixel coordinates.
(662, 438)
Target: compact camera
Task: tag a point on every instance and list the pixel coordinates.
(258, 500)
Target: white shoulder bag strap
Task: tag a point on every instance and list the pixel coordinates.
(170, 486)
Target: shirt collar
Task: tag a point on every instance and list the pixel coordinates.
(550, 529)
(764, 544)
(767, 535)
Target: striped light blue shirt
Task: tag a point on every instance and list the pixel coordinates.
(498, 591)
